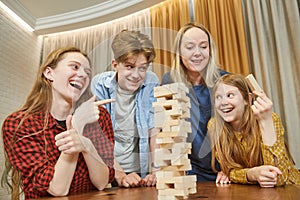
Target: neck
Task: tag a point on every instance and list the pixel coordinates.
(195, 77)
(236, 126)
(60, 110)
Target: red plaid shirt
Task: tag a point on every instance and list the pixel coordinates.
(35, 154)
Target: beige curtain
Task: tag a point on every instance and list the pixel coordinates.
(96, 40)
(273, 28)
(224, 19)
(166, 20)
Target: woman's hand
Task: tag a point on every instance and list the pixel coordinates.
(87, 112)
(265, 175)
(70, 141)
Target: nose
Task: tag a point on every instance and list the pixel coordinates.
(135, 72)
(198, 50)
(81, 72)
(224, 101)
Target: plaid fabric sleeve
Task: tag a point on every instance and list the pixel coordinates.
(102, 136)
(239, 176)
(108, 147)
(277, 155)
(28, 154)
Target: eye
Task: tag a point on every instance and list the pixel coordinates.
(230, 95)
(87, 71)
(218, 97)
(129, 67)
(76, 67)
(189, 46)
(143, 68)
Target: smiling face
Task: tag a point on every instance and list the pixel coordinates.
(230, 104)
(194, 50)
(132, 72)
(70, 78)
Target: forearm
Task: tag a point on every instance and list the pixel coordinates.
(268, 132)
(63, 175)
(119, 172)
(98, 170)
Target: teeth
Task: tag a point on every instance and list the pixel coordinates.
(227, 110)
(76, 85)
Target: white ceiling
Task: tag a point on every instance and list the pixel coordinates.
(49, 16)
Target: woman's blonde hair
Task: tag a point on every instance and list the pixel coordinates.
(178, 71)
(38, 100)
(225, 146)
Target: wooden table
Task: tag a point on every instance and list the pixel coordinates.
(204, 191)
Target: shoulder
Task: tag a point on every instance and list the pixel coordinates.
(151, 77)
(166, 79)
(210, 122)
(103, 77)
(29, 124)
(13, 118)
(222, 72)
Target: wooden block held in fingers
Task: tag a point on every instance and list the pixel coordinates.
(253, 83)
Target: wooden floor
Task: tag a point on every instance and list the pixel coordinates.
(204, 191)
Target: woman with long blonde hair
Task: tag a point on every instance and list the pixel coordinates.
(247, 137)
(195, 63)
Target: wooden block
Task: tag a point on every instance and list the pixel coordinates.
(181, 160)
(175, 157)
(169, 89)
(160, 174)
(179, 179)
(170, 198)
(176, 167)
(253, 84)
(172, 134)
(173, 192)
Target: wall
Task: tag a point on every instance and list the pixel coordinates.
(19, 61)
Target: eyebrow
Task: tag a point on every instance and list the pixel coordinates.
(79, 63)
(133, 64)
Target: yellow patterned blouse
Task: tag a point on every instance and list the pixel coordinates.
(275, 155)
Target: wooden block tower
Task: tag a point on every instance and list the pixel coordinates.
(170, 111)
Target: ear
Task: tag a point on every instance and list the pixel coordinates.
(114, 64)
(48, 73)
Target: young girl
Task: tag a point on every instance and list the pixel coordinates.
(247, 137)
(53, 145)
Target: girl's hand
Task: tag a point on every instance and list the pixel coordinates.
(87, 112)
(70, 141)
(262, 106)
(265, 175)
(222, 178)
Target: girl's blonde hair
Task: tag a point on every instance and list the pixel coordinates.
(225, 146)
(178, 70)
